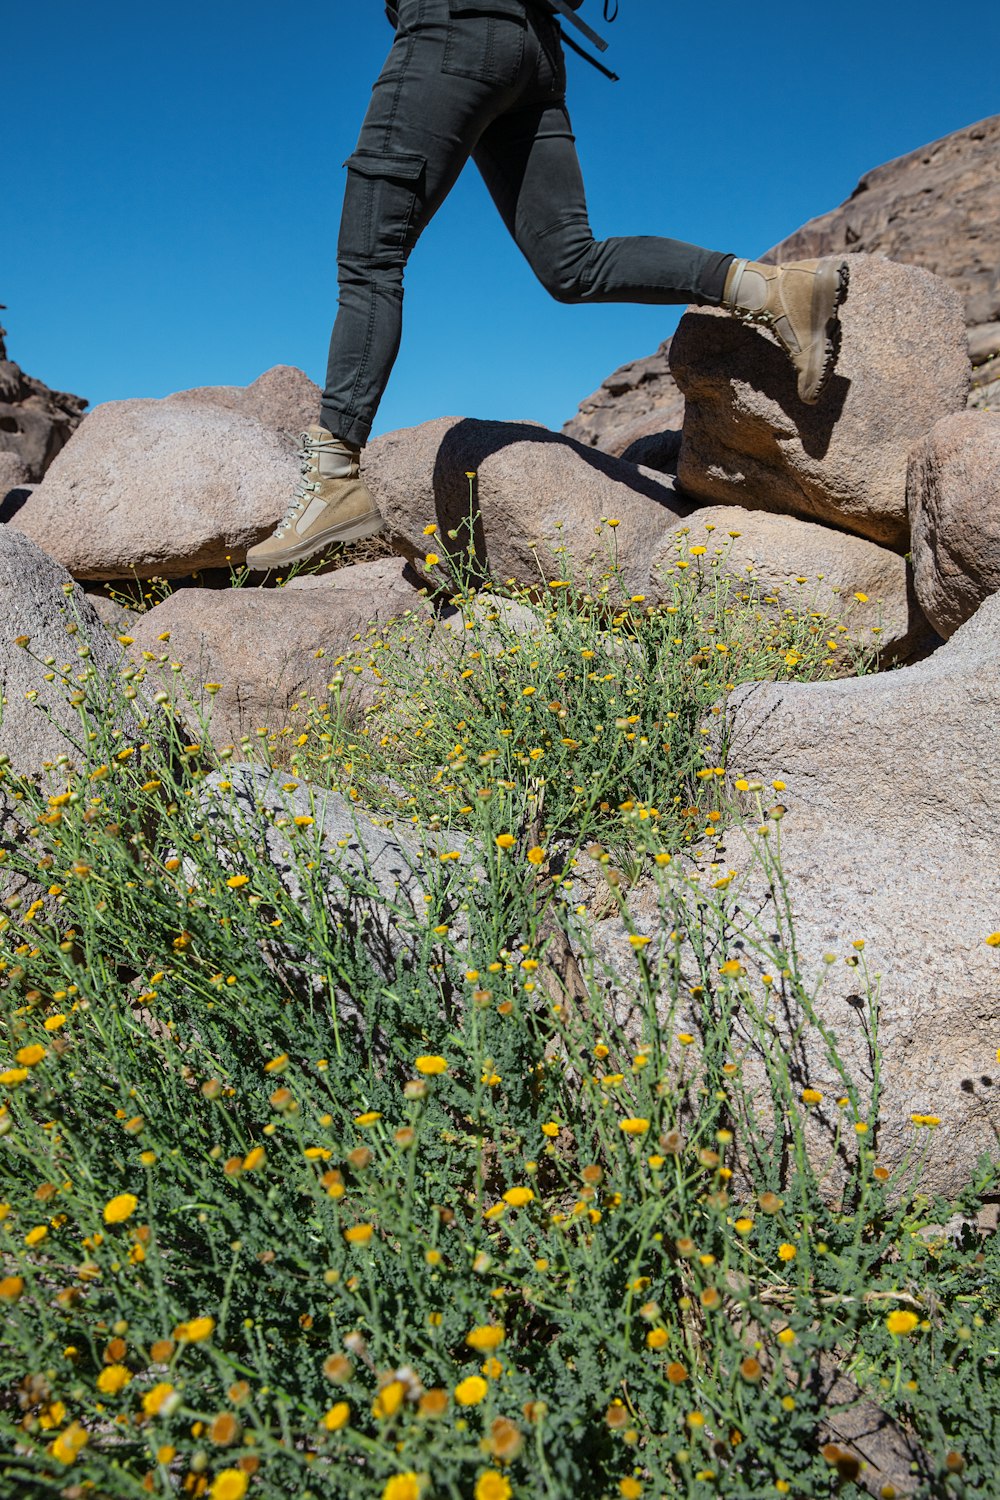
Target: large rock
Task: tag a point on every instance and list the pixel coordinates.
(283, 398)
(882, 832)
(13, 472)
(891, 837)
(542, 500)
(799, 566)
(40, 604)
(35, 423)
(173, 486)
(270, 650)
(749, 440)
(952, 492)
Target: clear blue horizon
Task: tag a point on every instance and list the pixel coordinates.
(173, 198)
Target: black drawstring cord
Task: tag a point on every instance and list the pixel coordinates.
(614, 13)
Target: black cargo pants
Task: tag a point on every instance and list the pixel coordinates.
(484, 78)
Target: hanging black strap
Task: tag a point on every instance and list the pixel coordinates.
(571, 16)
(592, 36)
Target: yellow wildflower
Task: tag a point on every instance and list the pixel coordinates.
(492, 1485)
(485, 1338)
(195, 1331)
(518, 1197)
(403, 1487)
(337, 1417)
(388, 1401)
(471, 1391)
(113, 1379)
(430, 1064)
(67, 1445)
(120, 1208)
(229, 1484)
(154, 1399)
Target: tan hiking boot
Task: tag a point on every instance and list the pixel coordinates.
(799, 302)
(331, 504)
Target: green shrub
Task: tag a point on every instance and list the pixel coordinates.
(284, 1215)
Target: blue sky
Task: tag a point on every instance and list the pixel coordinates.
(173, 181)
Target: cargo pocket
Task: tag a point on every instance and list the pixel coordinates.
(486, 40)
(384, 191)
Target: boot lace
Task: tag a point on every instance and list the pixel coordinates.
(306, 488)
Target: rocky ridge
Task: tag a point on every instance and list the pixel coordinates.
(35, 423)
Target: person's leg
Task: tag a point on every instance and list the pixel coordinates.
(529, 163)
(445, 79)
(528, 160)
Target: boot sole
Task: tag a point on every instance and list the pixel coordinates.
(349, 531)
(830, 293)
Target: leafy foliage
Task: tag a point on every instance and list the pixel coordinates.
(288, 1210)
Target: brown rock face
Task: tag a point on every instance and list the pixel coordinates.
(748, 439)
(642, 390)
(170, 487)
(35, 423)
(938, 207)
(952, 492)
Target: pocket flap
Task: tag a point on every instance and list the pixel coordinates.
(515, 8)
(387, 164)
